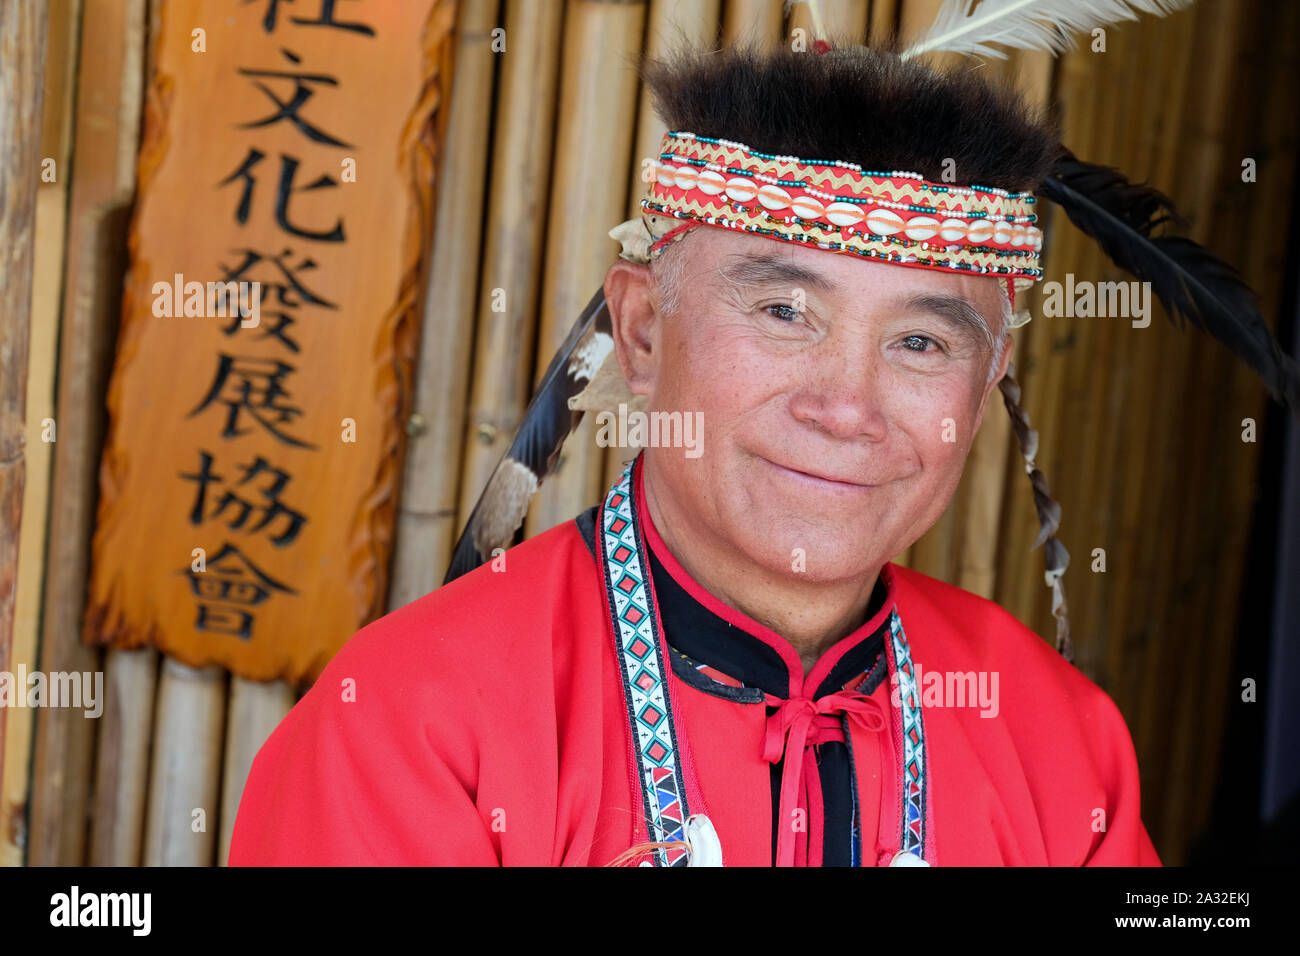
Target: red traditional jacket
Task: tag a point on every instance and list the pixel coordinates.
(486, 724)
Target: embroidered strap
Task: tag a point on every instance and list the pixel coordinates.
(638, 644)
(644, 669)
(909, 740)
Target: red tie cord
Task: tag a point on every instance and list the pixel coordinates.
(793, 728)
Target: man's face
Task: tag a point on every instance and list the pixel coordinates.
(839, 396)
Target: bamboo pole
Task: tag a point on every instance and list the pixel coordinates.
(1217, 38)
(1206, 140)
(1098, 134)
(759, 22)
(512, 241)
(255, 709)
(121, 772)
(884, 20)
(1135, 481)
(845, 21)
(122, 764)
(24, 25)
(427, 516)
(1088, 412)
(1132, 619)
(47, 282)
(588, 197)
(1129, 479)
(181, 824)
(109, 83)
(1160, 85)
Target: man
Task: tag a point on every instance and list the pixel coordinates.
(719, 664)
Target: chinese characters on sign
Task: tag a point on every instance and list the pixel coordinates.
(250, 473)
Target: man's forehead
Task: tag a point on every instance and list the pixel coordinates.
(725, 259)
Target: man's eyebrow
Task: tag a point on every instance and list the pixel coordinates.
(770, 270)
(956, 311)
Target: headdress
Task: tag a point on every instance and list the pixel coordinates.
(733, 158)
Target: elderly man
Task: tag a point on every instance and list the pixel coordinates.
(719, 664)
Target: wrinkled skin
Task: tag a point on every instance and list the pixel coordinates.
(838, 411)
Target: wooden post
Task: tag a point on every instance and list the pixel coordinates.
(510, 272)
(253, 710)
(884, 20)
(759, 22)
(845, 21)
(23, 25)
(426, 518)
(588, 197)
(47, 282)
(122, 768)
(181, 827)
(109, 97)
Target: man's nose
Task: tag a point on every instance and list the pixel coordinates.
(840, 392)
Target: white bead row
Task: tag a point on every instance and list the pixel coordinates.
(878, 218)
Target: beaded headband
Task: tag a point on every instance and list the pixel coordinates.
(893, 216)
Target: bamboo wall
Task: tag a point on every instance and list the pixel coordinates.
(1140, 428)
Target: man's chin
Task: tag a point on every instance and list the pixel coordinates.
(815, 557)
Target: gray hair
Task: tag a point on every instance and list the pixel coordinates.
(1001, 343)
(667, 269)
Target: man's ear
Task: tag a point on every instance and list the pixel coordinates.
(633, 313)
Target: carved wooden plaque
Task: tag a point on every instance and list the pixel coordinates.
(252, 465)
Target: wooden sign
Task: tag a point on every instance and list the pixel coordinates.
(250, 475)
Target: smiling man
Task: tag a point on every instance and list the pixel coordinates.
(841, 398)
(719, 663)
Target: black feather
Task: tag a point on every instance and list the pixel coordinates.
(536, 446)
(1191, 283)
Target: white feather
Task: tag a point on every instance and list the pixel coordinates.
(1026, 24)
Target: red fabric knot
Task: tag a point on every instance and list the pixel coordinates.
(801, 722)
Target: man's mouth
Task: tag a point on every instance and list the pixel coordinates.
(820, 480)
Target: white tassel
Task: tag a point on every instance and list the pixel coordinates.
(1027, 24)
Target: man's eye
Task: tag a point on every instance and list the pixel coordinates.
(917, 343)
(786, 313)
